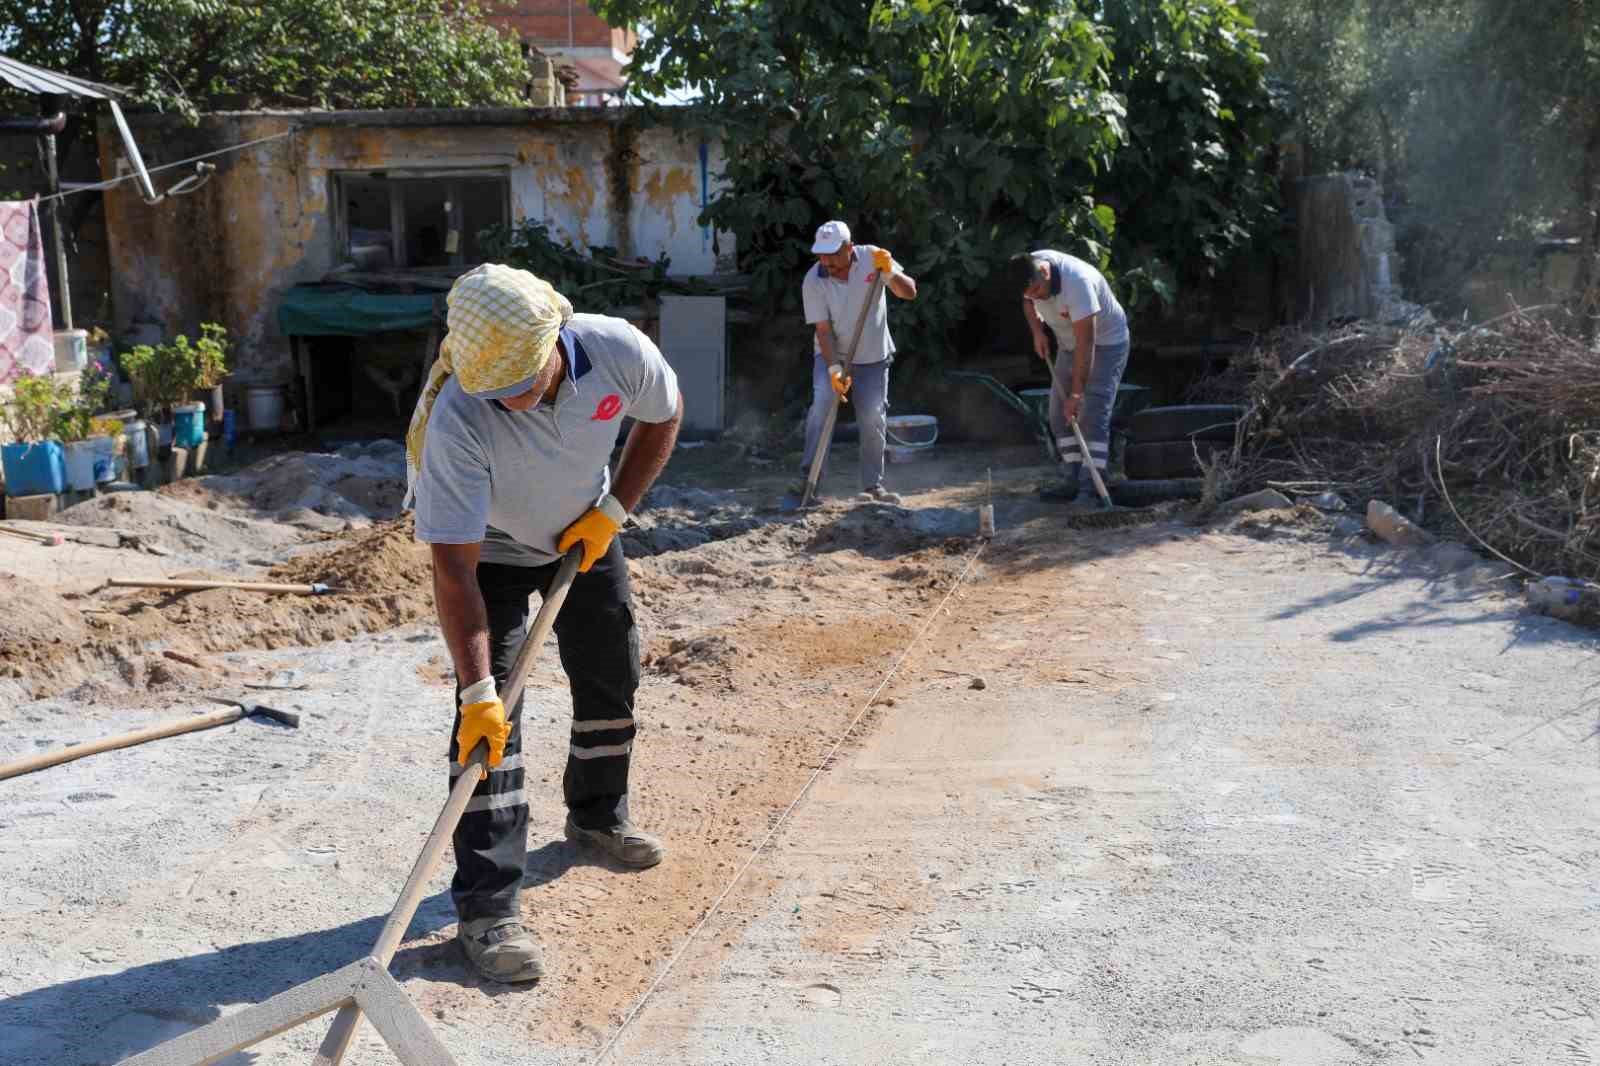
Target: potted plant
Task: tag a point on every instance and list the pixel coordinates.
(87, 440)
(211, 357)
(34, 463)
(163, 376)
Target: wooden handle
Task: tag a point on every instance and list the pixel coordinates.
(138, 736)
(185, 583)
(343, 1029)
(1094, 473)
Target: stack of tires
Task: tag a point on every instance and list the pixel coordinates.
(1165, 448)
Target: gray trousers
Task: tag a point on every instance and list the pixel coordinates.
(1094, 413)
(869, 392)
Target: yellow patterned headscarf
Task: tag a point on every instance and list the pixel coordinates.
(503, 326)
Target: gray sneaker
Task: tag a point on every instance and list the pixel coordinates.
(879, 494)
(501, 949)
(624, 843)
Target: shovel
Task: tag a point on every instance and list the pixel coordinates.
(825, 438)
(155, 732)
(1109, 516)
(343, 1030)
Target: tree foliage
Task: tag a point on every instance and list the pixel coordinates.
(960, 133)
(1481, 118)
(192, 55)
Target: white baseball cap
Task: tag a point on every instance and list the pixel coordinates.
(831, 236)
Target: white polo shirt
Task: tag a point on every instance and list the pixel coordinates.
(838, 303)
(1078, 290)
(514, 480)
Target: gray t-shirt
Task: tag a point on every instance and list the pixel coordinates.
(1078, 290)
(827, 299)
(514, 480)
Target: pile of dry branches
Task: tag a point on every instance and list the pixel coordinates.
(1488, 434)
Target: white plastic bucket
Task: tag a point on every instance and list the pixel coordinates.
(72, 350)
(80, 465)
(265, 404)
(138, 449)
(913, 431)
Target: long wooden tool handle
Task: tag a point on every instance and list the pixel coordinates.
(1094, 472)
(125, 740)
(343, 1030)
(825, 438)
(188, 583)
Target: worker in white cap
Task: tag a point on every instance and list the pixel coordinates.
(833, 293)
(508, 462)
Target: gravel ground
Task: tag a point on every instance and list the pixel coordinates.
(1219, 798)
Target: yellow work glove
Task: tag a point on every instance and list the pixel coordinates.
(840, 383)
(483, 717)
(882, 260)
(594, 530)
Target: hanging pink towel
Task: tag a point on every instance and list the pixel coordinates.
(27, 343)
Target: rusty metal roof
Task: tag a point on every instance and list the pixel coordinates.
(33, 79)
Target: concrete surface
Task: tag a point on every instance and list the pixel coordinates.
(1220, 800)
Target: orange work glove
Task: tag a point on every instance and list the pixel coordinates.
(883, 261)
(594, 530)
(840, 383)
(483, 718)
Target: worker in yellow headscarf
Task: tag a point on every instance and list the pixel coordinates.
(508, 468)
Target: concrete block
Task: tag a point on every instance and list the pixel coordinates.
(36, 508)
(1265, 500)
(197, 457)
(177, 464)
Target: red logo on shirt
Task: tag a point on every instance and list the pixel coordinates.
(607, 409)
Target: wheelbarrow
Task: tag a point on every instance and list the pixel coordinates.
(1034, 405)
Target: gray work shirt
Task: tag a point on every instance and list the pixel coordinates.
(838, 303)
(514, 480)
(1078, 290)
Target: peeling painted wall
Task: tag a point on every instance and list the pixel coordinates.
(264, 222)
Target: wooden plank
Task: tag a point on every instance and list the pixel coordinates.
(252, 1025)
(399, 1022)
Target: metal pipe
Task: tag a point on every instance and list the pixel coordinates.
(35, 126)
(62, 282)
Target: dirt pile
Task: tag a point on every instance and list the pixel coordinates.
(183, 525)
(51, 643)
(324, 491)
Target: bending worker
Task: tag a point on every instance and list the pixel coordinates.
(834, 292)
(1075, 301)
(507, 458)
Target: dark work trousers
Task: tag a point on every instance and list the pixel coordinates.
(600, 653)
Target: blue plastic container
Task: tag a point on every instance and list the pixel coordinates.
(34, 469)
(188, 425)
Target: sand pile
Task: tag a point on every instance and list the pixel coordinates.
(183, 526)
(325, 491)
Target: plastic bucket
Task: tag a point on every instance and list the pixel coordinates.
(105, 459)
(163, 434)
(79, 462)
(188, 424)
(72, 350)
(265, 404)
(138, 450)
(913, 431)
(34, 469)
